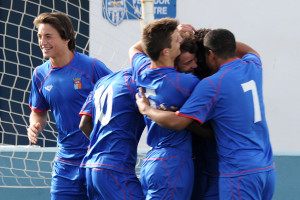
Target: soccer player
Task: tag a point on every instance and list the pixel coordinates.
(186, 62)
(232, 100)
(112, 115)
(167, 171)
(62, 84)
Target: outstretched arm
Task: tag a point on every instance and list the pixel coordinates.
(166, 119)
(86, 125)
(37, 122)
(242, 49)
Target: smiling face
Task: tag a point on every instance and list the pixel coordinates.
(50, 42)
(187, 62)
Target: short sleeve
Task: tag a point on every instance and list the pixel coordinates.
(37, 101)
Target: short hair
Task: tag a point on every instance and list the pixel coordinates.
(188, 45)
(202, 70)
(221, 42)
(61, 23)
(157, 35)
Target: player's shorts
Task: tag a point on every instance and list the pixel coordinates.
(113, 185)
(167, 174)
(68, 182)
(258, 186)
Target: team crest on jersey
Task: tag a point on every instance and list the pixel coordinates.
(114, 11)
(77, 83)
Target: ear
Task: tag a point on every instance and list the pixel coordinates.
(165, 52)
(211, 53)
(67, 41)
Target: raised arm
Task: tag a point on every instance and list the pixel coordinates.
(37, 122)
(166, 119)
(86, 125)
(136, 48)
(242, 49)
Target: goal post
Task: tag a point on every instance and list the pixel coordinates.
(147, 12)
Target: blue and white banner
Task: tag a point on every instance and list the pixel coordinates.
(115, 11)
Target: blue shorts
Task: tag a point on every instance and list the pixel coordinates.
(68, 182)
(109, 184)
(167, 174)
(258, 186)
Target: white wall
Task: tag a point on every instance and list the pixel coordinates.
(270, 27)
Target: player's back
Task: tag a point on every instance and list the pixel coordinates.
(239, 117)
(164, 85)
(118, 124)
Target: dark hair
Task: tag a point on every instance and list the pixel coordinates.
(157, 36)
(61, 23)
(221, 42)
(188, 45)
(202, 70)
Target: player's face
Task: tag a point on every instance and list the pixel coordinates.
(50, 42)
(176, 40)
(187, 62)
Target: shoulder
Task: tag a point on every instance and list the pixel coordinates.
(140, 57)
(87, 60)
(43, 68)
(250, 57)
(82, 57)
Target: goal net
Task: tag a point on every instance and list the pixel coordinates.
(105, 33)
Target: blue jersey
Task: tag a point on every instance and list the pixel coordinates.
(232, 99)
(64, 90)
(164, 85)
(118, 125)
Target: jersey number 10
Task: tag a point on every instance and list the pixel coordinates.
(100, 98)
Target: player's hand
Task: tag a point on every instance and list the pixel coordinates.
(33, 131)
(186, 29)
(142, 101)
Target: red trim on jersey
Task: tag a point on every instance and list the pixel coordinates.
(252, 170)
(52, 66)
(85, 113)
(187, 116)
(36, 110)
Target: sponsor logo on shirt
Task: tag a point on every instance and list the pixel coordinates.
(48, 87)
(77, 83)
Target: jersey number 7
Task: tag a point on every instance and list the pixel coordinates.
(251, 86)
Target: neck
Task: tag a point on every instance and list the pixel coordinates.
(224, 61)
(162, 62)
(63, 60)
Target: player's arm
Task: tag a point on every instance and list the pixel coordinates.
(165, 119)
(86, 125)
(204, 130)
(37, 122)
(242, 49)
(136, 48)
